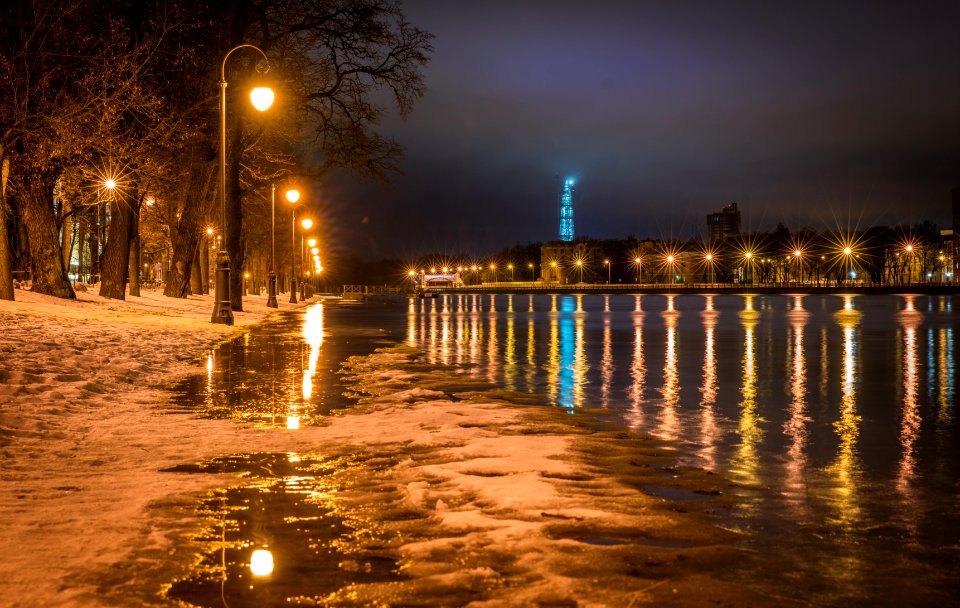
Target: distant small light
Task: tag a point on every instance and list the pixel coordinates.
(261, 563)
(209, 231)
(307, 223)
(293, 195)
(709, 257)
(314, 251)
(670, 259)
(110, 184)
(748, 255)
(149, 201)
(312, 243)
(847, 251)
(797, 253)
(909, 248)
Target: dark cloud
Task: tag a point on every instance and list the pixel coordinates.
(800, 112)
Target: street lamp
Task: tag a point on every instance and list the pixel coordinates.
(607, 264)
(306, 223)
(293, 195)
(580, 266)
(638, 269)
(510, 267)
(262, 99)
(709, 258)
(530, 266)
(670, 259)
(749, 256)
(553, 265)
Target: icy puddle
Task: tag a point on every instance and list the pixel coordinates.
(281, 538)
(434, 489)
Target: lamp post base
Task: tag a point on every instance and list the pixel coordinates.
(293, 291)
(222, 311)
(272, 290)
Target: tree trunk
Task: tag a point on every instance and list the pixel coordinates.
(135, 265)
(202, 164)
(205, 265)
(116, 253)
(46, 261)
(6, 257)
(196, 276)
(66, 238)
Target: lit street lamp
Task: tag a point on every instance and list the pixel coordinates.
(607, 264)
(580, 266)
(530, 266)
(293, 196)
(638, 268)
(306, 223)
(510, 267)
(262, 99)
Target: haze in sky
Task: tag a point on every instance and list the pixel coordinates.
(811, 114)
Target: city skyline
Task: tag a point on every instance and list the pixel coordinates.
(816, 117)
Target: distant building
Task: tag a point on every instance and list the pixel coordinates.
(558, 261)
(956, 231)
(566, 212)
(723, 224)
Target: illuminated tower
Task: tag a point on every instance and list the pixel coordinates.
(566, 211)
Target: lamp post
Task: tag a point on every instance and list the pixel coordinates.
(272, 276)
(709, 258)
(262, 99)
(638, 267)
(510, 267)
(673, 275)
(293, 196)
(306, 224)
(749, 256)
(607, 264)
(580, 266)
(530, 266)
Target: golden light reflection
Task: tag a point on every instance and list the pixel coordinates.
(313, 335)
(709, 433)
(669, 423)
(510, 354)
(796, 426)
(293, 422)
(945, 378)
(846, 466)
(745, 460)
(531, 356)
(910, 320)
(638, 372)
(553, 356)
(579, 359)
(261, 562)
(606, 363)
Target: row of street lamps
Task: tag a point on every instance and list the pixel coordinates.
(262, 99)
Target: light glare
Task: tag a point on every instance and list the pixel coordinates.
(262, 98)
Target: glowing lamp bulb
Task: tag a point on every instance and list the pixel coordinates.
(262, 98)
(411, 273)
(847, 251)
(670, 259)
(797, 253)
(314, 251)
(748, 255)
(110, 184)
(709, 257)
(909, 248)
(307, 224)
(209, 231)
(312, 243)
(261, 562)
(293, 195)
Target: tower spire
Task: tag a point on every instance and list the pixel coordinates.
(566, 211)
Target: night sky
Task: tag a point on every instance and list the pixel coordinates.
(815, 115)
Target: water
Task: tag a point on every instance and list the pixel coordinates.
(834, 415)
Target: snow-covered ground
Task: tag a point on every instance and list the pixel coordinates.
(511, 496)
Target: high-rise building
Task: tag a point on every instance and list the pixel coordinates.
(723, 224)
(566, 211)
(956, 232)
